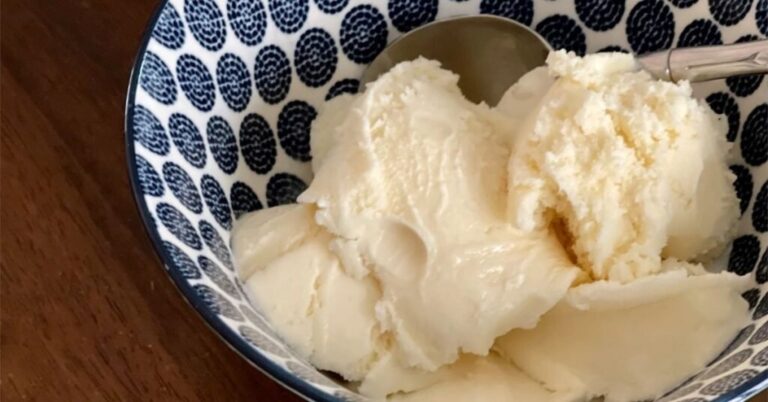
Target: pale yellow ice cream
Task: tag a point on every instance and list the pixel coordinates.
(537, 251)
(634, 168)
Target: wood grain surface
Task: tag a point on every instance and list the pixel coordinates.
(87, 312)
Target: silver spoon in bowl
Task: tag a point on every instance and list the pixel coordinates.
(491, 53)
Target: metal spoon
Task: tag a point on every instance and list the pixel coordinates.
(491, 53)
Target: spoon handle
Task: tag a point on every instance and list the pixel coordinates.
(707, 63)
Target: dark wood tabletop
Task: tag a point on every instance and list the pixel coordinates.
(87, 312)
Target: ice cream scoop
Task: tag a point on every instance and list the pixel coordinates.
(491, 53)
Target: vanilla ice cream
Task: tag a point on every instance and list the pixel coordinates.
(634, 168)
(547, 249)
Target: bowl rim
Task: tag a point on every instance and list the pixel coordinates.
(232, 339)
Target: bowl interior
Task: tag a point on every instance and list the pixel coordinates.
(224, 93)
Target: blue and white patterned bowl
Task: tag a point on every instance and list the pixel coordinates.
(224, 92)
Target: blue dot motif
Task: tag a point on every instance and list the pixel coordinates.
(761, 16)
(169, 30)
(156, 78)
(363, 33)
(345, 86)
(729, 12)
(183, 263)
(518, 10)
(187, 139)
(331, 6)
(600, 15)
(149, 180)
(179, 226)
(215, 243)
(722, 103)
(744, 254)
(223, 144)
(700, 33)
(613, 49)
(216, 201)
(234, 81)
(650, 26)
(258, 144)
(289, 15)
(563, 33)
(683, 3)
(244, 199)
(217, 303)
(754, 136)
(293, 125)
(743, 186)
(183, 187)
(760, 210)
(206, 22)
(315, 57)
(196, 82)
(747, 84)
(284, 188)
(409, 14)
(217, 276)
(248, 20)
(272, 74)
(149, 132)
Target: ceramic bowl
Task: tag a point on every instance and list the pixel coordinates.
(224, 92)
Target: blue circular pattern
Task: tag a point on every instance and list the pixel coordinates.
(223, 144)
(363, 33)
(722, 103)
(518, 10)
(700, 33)
(258, 144)
(248, 20)
(761, 16)
(183, 263)
(345, 86)
(650, 26)
(169, 30)
(234, 81)
(217, 303)
(258, 339)
(206, 22)
(315, 57)
(331, 6)
(157, 80)
(196, 82)
(762, 308)
(187, 139)
(293, 126)
(149, 132)
(183, 187)
(728, 382)
(752, 296)
(729, 12)
(272, 73)
(754, 136)
(244, 199)
(217, 276)
(613, 49)
(743, 186)
(149, 180)
(563, 33)
(409, 14)
(216, 200)
(762, 266)
(178, 225)
(760, 358)
(600, 15)
(216, 244)
(744, 254)
(683, 3)
(284, 188)
(760, 210)
(289, 15)
(745, 85)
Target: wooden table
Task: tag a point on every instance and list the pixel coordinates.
(87, 312)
